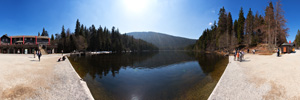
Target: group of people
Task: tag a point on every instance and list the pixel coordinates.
(38, 53)
(238, 55)
(61, 59)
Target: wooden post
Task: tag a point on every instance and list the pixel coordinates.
(10, 40)
(23, 40)
(48, 41)
(36, 40)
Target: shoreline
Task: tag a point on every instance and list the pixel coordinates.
(82, 82)
(260, 77)
(25, 77)
(221, 78)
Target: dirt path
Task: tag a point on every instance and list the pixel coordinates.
(260, 77)
(24, 77)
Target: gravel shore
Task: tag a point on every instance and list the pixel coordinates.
(260, 77)
(24, 77)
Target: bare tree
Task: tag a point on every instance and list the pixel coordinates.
(270, 22)
(280, 31)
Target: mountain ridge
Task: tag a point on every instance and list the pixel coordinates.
(163, 41)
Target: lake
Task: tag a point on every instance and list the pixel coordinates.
(163, 75)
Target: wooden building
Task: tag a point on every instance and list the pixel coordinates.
(287, 47)
(25, 44)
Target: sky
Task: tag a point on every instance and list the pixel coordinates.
(185, 18)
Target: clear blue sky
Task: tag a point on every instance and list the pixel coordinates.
(186, 18)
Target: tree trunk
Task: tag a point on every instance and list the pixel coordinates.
(276, 33)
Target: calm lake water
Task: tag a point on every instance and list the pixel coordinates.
(164, 75)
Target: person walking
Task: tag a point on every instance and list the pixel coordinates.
(238, 55)
(62, 52)
(234, 55)
(242, 56)
(33, 53)
(39, 55)
(278, 52)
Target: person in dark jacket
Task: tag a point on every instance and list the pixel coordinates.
(235, 51)
(63, 58)
(278, 52)
(34, 53)
(39, 55)
(59, 59)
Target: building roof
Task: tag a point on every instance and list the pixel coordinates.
(288, 44)
(40, 37)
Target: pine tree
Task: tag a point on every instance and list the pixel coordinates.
(235, 27)
(82, 31)
(52, 37)
(222, 23)
(68, 32)
(77, 28)
(229, 29)
(249, 27)
(222, 27)
(270, 23)
(240, 28)
(257, 24)
(63, 34)
(44, 33)
(297, 39)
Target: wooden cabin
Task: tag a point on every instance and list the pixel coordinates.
(25, 44)
(287, 47)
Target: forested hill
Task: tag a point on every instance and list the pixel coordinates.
(163, 41)
(249, 31)
(98, 39)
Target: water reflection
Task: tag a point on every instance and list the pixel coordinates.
(149, 75)
(102, 65)
(207, 61)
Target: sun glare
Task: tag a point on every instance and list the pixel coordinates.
(136, 6)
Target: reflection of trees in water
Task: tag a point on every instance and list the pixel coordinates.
(213, 65)
(164, 58)
(207, 61)
(102, 65)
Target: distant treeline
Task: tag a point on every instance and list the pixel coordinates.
(101, 39)
(297, 39)
(250, 31)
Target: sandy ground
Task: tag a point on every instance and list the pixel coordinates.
(260, 77)
(24, 77)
